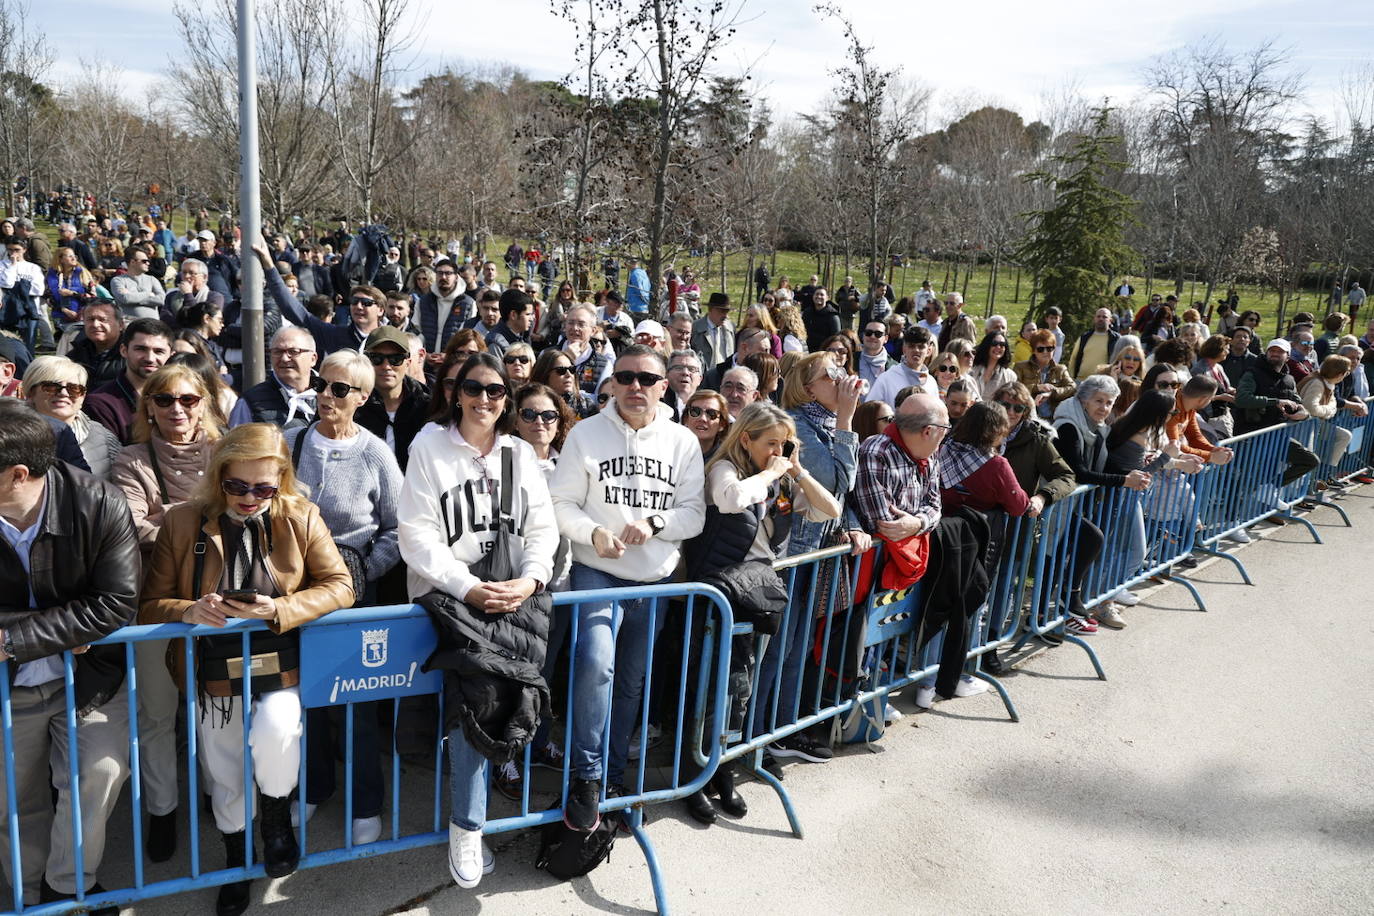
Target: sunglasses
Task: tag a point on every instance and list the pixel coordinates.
(709, 413)
(646, 379)
(235, 487)
(563, 370)
(475, 389)
(391, 359)
(362, 300)
(335, 389)
(1014, 408)
(1044, 349)
(1169, 385)
(838, 351)
(72, 389)
(167, 400)
(530, 415)
(871, 333)
(946, 368)
(512, 360)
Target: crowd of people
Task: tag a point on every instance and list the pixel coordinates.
(443, 437)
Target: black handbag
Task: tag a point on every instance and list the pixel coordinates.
(755, 592)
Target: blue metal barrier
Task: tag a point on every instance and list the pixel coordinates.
(702, 608)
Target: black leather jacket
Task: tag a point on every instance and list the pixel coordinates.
(85, 575)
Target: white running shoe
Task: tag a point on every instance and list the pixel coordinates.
(925, 696)
(366, 830)
(1128, 599)
(1239, 536)
(468, 857)
(970, 686)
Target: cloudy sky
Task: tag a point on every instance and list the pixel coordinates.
(1010, 52)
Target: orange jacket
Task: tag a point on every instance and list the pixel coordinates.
(1183, 427)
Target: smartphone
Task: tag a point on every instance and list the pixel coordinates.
(246, 595)
(787, 448)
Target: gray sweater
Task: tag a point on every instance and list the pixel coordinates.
(356, 487)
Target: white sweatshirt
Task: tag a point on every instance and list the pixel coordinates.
(446, 512)
(609, 475)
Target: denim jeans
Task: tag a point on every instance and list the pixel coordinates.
(467, 782)
(609, 666)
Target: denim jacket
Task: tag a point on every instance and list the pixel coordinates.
(830, 458)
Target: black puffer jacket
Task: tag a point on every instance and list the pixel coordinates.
(85, 575)
(493, 688)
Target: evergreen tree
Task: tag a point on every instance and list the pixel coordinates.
(1078, 243)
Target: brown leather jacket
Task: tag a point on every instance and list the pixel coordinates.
(304, 564)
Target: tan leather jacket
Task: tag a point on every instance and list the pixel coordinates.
(304, 564)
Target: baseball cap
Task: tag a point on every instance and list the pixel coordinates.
(205, 234)
(386, 334)
(1282, 344)
(650, 327)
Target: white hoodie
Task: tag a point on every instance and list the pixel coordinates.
(445, 512)
(609, 475)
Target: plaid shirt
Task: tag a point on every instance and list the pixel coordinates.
(888, 478)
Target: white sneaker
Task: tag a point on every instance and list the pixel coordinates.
(309, 813)
(366, 830)
(1109, 615)
(1128, 599)
(970, 686)
(467, 856)
(925, 696)
(892, 714)
(1238, 536)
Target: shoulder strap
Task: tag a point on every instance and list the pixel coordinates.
(299, 445)
(507, 481)
(157, 473)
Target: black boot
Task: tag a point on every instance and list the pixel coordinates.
(700, 807)
(992, 664)
(233, 898)
(723, 784)
(162, 836)
(280, 853)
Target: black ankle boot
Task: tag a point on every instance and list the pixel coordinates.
(280, 853)
(723, 784)
(233, 898)
(162, 836)
(700, 807)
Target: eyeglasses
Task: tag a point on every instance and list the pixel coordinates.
(646, 379)
(363, 300)
(475, 389)
(530, 415)
(602, 398)
(873, 333)
(1044, 349)
(1013, 408)
(391, 359)
(335, 389)
(684, 367)
(72, 389)
(709, 413)
(235, 487)
(563, 370)
(512, 360)
(446, 273)
(940, 425)
(167, 400)
(946, 368)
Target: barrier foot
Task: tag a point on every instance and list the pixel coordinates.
(1171, 576)
(1287, 516)
(768, 778)
(1092, 656)
(1001, 692)
(1323, 501)
(634, 817)
(1240, 567)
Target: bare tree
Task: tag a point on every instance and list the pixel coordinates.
(100, 132)
(24, 101)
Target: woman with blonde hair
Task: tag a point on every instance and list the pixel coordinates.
(757, 316)
(56, 387)
(70, 287)
(756, 489)
(248, 544)
(1127, 362)
(792, 329)
(707, 415)
(519, 362)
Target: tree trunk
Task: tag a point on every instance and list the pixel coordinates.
(992, 284)
(1017, 296)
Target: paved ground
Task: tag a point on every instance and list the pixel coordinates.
(1225, 766)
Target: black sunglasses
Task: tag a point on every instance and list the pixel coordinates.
(512, 360)
(946, 368)
(363, 300)
(563, 370)
(475, 389)
(529, 415)
(235, 487)
(1170, 385)
(709, 413)
(336, 389)
(872, 333)
(646, 379)
(1044, 349)
(1014, 408)
(167, 400)
(71, 388)
(391, 359)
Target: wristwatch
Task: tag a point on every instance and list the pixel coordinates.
(7, 645)
(656, 523)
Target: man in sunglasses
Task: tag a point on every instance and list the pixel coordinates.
(70, 576)
(443, 310)
(285, 397)
(916, 347)
(629, 488)
(516, 308)
(398, 405)
(873, 358)
(955, 321)
(138, 293)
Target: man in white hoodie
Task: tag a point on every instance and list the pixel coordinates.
(628, 490)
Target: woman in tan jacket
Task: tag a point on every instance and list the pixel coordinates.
(175, 425)
(248, 530)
